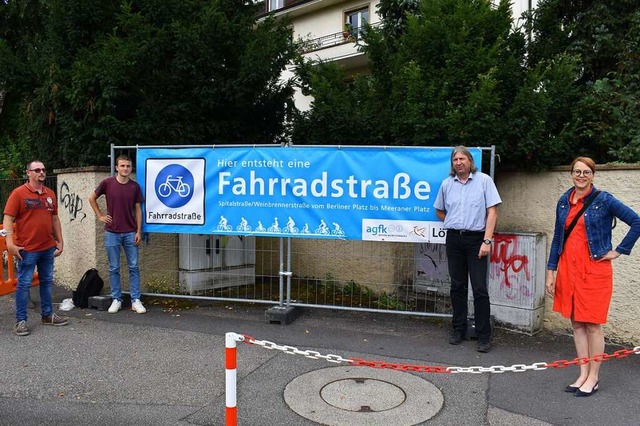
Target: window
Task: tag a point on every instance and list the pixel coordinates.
(355, 19)
(275, 5)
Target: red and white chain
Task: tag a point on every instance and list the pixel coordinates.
(516, 368)
(294, 351)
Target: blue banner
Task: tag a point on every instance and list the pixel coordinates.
(356, 193)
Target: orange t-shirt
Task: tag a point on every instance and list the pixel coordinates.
(33, 216)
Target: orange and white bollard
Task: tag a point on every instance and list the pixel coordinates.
(231, 411)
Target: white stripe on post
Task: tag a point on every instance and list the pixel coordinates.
(231, 411)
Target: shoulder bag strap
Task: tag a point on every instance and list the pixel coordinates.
(586, 204)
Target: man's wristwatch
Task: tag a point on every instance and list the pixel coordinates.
(487, 242)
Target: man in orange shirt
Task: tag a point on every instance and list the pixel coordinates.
(37, 240)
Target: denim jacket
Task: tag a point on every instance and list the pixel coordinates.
(598, 219)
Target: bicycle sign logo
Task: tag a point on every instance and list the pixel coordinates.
(174, 185)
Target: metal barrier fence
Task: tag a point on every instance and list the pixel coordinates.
(351, 275)
(336, 274)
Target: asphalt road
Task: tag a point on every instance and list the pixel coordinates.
(167, 368)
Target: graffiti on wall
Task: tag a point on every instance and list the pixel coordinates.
(71, 202)
(510, 267)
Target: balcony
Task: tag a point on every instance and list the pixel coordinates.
(330, 40)
(335, 39)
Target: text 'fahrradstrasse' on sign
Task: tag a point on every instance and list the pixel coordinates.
(174, 216)
(400, 187)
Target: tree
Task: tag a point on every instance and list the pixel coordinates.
(20, 34)
(452, 74)
(394, 15)
(459, 72)
(148, 72)
(605, 36)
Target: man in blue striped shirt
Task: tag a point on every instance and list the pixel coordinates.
(467, 203)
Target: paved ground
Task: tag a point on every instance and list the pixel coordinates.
(167, 368)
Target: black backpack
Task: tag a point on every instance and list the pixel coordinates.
(90, 285)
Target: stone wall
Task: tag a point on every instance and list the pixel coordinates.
(82, 232)
(373, 264)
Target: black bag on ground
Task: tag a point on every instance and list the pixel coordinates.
(90, 285)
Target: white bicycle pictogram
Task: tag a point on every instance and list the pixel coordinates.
(223, 225)
(174, 184)
(244, 226)
(322, 229)
(275, 227)
(290, 230)
(337, 230)
(291, 227)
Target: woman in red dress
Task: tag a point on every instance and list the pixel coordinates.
(579, 271)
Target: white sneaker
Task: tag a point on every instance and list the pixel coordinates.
(115, 306)
(136, 305)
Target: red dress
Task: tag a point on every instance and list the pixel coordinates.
(583, 285)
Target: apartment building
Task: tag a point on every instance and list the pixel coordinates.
(331, 29)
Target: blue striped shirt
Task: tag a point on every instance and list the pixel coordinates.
(466, 203)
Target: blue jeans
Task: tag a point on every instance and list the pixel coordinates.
(26, 267)
(113, 242)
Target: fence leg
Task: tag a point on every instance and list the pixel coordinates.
(231, 412)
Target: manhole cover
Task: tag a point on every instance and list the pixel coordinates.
(363, 394)
(357, 396)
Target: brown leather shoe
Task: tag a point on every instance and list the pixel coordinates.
(55, 320)
(21, 329)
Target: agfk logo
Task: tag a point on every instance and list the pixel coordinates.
(376, 230)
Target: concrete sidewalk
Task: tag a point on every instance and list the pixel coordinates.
(167, 368)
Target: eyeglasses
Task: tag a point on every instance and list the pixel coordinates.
(585, 173)
(38, 170)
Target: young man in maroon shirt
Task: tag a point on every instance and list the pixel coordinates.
(123, 228)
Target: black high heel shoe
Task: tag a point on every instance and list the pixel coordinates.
(571, 389)
(594, 389)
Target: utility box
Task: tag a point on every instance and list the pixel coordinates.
(208, 262)
(432, 270)
(517, 274)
